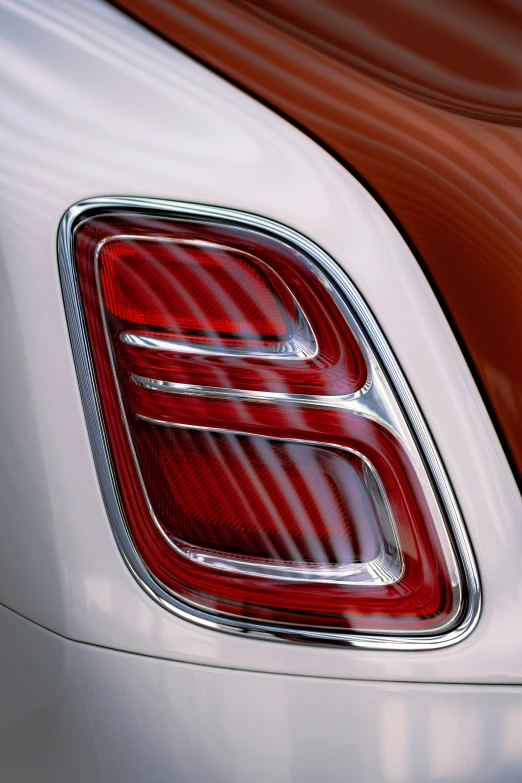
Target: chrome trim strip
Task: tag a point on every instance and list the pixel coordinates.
(172, 387)
(331, 272)
(293, 349)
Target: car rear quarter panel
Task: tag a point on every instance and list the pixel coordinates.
(94, 105)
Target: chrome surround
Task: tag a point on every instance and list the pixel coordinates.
(368, 402)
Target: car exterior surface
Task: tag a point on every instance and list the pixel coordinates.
(100, 680)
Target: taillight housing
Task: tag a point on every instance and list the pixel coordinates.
(263, 461)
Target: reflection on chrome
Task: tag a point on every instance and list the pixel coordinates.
(298, 347)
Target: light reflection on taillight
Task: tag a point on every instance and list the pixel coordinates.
(264, 465)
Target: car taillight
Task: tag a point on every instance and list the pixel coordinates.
(263, 462)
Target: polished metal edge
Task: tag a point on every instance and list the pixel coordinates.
(172, 387)
(292, 350)
(87, 384)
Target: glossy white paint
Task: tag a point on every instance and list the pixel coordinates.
(78, 713)
(92, 104)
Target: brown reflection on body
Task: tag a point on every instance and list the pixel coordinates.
(424, 100)
(463, 55)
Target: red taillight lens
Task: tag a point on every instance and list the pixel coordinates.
(210, 306)
(190, 291)
(264, 466)
(260, 500)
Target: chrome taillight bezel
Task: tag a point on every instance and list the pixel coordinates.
(367, 331)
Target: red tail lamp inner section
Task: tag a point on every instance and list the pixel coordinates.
(151, 284)
(276, 483)
(417, 601)
(258, 499)
(187, 290)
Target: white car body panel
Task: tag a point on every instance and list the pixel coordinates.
(92, 105)
(72, 77)
(74, 712)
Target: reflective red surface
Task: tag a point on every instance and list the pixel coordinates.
(189, 291)
(261, 500)
(214, 488)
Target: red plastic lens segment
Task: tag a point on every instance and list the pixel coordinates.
(262, 505)
(264, 465)
(193, 304)
(188, 290)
